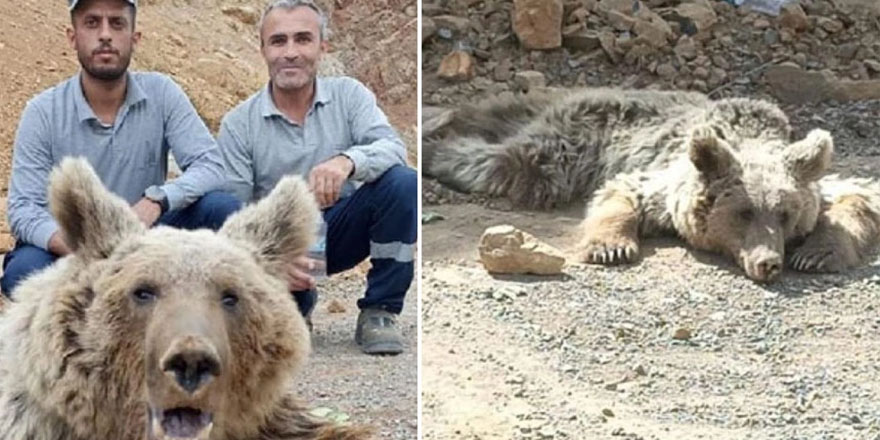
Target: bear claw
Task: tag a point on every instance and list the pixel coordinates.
(816, 260)
(600, 253)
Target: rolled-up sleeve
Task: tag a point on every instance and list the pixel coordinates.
(194, 150)
(376, 145)
(238, 159)
(27, 205)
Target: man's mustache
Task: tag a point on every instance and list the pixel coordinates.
(105, 49)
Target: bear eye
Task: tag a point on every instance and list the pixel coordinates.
(230, 300)
(143, 295)
(746, 214)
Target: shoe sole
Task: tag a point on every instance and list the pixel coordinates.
(387, 348)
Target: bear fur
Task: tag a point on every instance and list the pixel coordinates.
(724, 175)
(160, 333)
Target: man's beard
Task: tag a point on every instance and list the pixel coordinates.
(107, 73)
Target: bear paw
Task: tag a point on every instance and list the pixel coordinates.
(818, 259)
(617, 250)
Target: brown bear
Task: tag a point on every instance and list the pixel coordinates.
(724, 175)
(160, 333)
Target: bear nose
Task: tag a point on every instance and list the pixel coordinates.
(192, 367)
(769, 267)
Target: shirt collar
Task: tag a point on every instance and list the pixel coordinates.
(133, 95)
(322, 96)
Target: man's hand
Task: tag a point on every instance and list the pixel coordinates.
(327, 178)
(148, 211)
(57, 245)
(298, 278)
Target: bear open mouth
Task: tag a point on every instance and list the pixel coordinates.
(181, 424)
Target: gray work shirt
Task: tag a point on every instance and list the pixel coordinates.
(128, 156)
(260, 145)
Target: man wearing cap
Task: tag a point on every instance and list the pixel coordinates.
(124, 123)
(331, 131)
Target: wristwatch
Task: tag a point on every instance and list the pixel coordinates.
(157, 195)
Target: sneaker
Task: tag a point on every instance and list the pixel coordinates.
(377, 332)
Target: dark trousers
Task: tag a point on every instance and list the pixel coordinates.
(378, 221)
(209, 211)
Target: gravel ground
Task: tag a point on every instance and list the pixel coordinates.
(380, 391)
(681, 345)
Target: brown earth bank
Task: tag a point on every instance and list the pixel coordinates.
(211, 49)
(680, 345)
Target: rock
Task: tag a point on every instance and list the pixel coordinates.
(581, 40)
(761, 24)
(792, 16)
(538, 23)
(790, 84)
(620, 21)
(505, 249)
(800, 58)
(529, 80)
(771, 37)
(666, 70)
(609, 45)
(701, 73)
(682, 334)
(830, 25)
(456, 66)
(244, 14)
(847, 51)
(458, 25)
(696, 15)
(721, 62)
(656, 34)
(428, 28)
(335, 306)
(686, 48)
(503, 71)
(873, 65)
(623, 6)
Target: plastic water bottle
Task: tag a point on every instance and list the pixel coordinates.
(318, 252)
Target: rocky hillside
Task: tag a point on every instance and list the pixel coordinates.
(211, 48)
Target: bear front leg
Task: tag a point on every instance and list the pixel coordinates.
(847, 230)
(611, 228)
(291, 421)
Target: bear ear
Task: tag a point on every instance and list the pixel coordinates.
(279, 227)
(709, 154)
(808, 159)
(93, 221)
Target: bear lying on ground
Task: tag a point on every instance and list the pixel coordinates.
(724, 175)
(161, 333)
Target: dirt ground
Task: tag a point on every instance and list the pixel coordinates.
(211, 48)
(679, 346)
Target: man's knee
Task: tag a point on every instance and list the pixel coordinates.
(401, 182)
(22, 262)
(215, 207)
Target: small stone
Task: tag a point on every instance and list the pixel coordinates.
(721, 62)
(335, 306)
(607, 412)
(653, 32)
(666, 70)
(873, 65)
(771, 37)
(700, 85)
(701, 73)
(800, 58)
(620, 21)
(503, 71)
(792, 16)
(456, 66)
(581, 40)
(830, 25)
(538, 23)
(682, 334)
(697, 15)
(529, 80)
(686, 48)
(761, 24)
(505, 249)
(458, 25)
